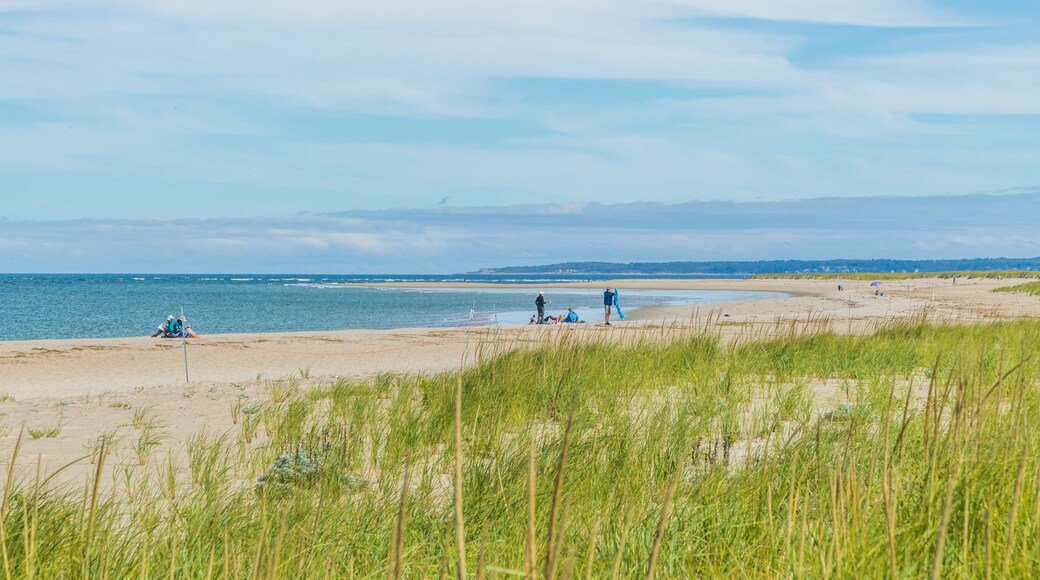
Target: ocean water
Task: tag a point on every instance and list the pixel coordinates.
(46, 306)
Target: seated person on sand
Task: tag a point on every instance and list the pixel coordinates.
(184, 328)
(166, 328)
(175, 328)
(572, 316)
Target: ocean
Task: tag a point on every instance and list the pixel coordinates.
(56, 306)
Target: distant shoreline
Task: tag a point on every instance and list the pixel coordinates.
(792, 287)
(622, 274)
(773, 267)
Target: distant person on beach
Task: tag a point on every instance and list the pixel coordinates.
(175, 328)
(608, 305)
(165, 328)
(572, 316)
(540, 303)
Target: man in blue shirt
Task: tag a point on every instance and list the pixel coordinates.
(608, 304)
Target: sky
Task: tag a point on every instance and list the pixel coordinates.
(405, 136)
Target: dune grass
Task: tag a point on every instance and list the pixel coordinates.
(991, 274)
(44, 432)
(1027, 288)
(679, 456)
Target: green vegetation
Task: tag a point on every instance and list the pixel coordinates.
(149, 438)
(1027, 288)
(105, 441)
(144, 418)
(991, 274)
(44, 432)
(280, 391)
(682, 455)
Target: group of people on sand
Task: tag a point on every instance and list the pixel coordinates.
(609, 303)
(568, 317)
(175, 328)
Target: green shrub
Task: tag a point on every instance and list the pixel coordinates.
(290, 471)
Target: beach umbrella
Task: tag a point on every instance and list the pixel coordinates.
(875, 283)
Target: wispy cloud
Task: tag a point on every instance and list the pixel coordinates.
(882, 13)
(120, 109)
(467, 238)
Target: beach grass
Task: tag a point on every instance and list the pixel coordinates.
(1027, 288)
(44, 432)
(909, 452)
(970, 274)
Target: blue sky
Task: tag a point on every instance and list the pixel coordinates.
(166, 116)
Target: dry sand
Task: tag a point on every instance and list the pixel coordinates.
(93, 385)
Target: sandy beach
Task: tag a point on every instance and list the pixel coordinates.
(95, 385)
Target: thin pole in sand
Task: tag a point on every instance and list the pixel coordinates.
(850, 312)
(184, 344)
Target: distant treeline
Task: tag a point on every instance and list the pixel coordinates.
(775, 267)
(990, 274)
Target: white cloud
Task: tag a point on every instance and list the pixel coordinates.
(883, 13)
(426, 57)
(132, 89)
(460, 239)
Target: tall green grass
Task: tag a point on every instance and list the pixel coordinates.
(1027, 288)
(994, 274)
(678, 456)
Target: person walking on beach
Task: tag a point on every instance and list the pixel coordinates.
(608, 304)
(540, 303)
